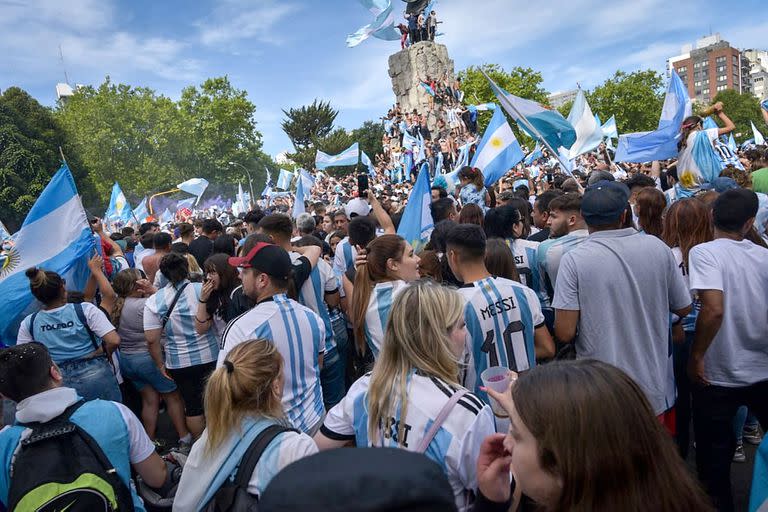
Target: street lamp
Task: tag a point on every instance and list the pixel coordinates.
(250, 182)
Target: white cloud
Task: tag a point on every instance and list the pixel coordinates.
(233, 20)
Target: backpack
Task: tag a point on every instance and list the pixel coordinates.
(59, 466)
(233, 496)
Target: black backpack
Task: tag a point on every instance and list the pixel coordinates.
(233, 495)
(61, 467)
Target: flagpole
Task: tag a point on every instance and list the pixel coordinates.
(521, 118)
(149, 201)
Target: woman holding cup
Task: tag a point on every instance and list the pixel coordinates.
(582, 436)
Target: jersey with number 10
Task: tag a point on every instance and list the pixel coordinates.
(501, 316)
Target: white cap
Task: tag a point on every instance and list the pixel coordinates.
(358, 207)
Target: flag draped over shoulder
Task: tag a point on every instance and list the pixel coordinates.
(498, 150)
(660, 144)
(118, 211)
(349, 156)
(416, 223)
(382, 27)
(589, 133)
(55, 236)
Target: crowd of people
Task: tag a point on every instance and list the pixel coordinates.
(419, 26)
(623, 311)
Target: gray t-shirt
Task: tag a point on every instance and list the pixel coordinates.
(624, 285)
(738, 355)
(131, 329)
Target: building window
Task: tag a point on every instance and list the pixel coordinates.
(682, 69)
(735, 60)
(705, 81)
(720, 69)
(722, 87)
(697, 83)
(697, 65)
(722, 78)
(720, 59)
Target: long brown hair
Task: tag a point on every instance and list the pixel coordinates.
(474, 176)
(687, 223)
(242, 386)
(379, 251)
(229, 279)
(471, 214)
(650, 209)
(499, 259)
(124, 283)
(689, 125)
(597, 432)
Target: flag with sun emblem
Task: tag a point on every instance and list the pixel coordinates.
(498, 151)
(55, 236)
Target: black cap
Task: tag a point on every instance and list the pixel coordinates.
(267, 258)
(360, 479)
(604, 202)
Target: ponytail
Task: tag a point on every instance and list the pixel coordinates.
(361, 295)
(123, 284)
(689, 125)
(44, 284)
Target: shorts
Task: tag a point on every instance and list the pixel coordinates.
(191, 384)
(142, 371)
(92, 378)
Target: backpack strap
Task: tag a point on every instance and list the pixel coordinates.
(441, 417)
(254, 452)
(81, 316)
(167, 315)
(32, 324)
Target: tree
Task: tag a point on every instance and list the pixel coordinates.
(149, 143)
(523, 82)
(741, 108)
(30, 138)
(336, 142)
(369, 136)
(305, 126)
(634, 98)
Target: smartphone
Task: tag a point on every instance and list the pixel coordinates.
(362, 184)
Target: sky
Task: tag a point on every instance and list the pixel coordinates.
(287, 53)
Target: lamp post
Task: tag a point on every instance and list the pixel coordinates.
(250, 182)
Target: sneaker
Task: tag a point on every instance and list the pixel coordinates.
(752, 435)
(183, 448)
(738, 455)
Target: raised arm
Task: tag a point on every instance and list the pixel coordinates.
(385, 221)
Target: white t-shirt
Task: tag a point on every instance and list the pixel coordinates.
(455, 447)
(738, 355)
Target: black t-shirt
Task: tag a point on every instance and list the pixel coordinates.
(540, 236)
(240, 303)
(201, 247)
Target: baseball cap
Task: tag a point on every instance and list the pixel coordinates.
(267, 258)
(357, 206)
(604, 202)
(722, 184)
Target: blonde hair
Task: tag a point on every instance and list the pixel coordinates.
(242, 386)
(416, 338)
(194, 268)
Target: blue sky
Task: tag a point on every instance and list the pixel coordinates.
(286, 53)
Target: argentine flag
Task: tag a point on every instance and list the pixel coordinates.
(463, 158)
(4, 233)
(195, 186)
(416, 223)
(589, 133)
(284, 179)
(55, 236)
(759, 139)
(382, 27)
(140, 212)
(349, 156)
(307, 179)
(367, 162)
(166, 217)
(186, 203)
(119, 211)
(609, 129)
(498, 151)
(535, 155)
(298, 204)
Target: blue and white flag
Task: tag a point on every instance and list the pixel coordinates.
(589, 133)
(427, 88)
(118, 211)
(439, 163)
(140, 212)
(498, 150)
(482, 107)
(307, 179)
(764, 105)
(4, 233)
(298, 204)
(185, 203)
(382, 27)
(367, 163)
(534, 155)
(732, 143)
(195, 186)
(660, 144)
(285, 179)
(463, 158)
(409, 141)
(166, 216)
(759, 139)
(609, 129)
(416, 223)
(349, 156)
(534, 119)
(55, 236)
(267, 185)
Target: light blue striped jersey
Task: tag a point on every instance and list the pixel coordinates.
(549, 254)
(312, 294)
(689, 322)
(379, 306)
(457, 441)
(344, 257)
(524, 252)
(299, 335)
(183, 346)
(501, 316)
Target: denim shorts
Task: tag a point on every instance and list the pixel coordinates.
(142, 371)
(92, 378)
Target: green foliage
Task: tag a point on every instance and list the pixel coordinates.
(741, 108)
(30, 138)
(369, 136)
(149, 143)
(523, 82)
(634, 98)
(565, 108)
(307, 124)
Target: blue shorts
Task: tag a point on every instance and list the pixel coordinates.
(142, 371)
(92, 378)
